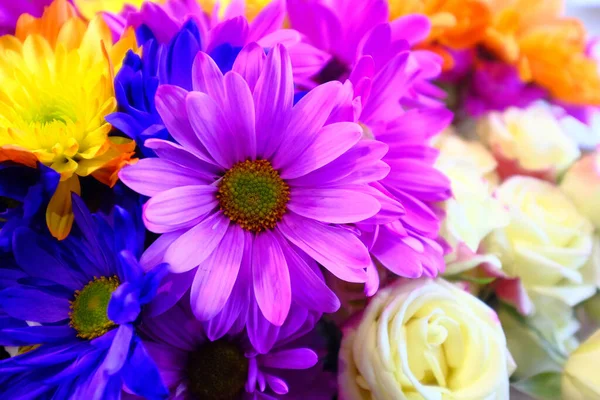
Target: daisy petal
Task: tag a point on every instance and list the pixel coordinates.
(396, 256)
(331, 142)
(151, 176)
(262, 333)
(271, 278)
(177, 154)
(240, 112)
(216, 276)
(290, 359)
(195, 245)
(170, 104)
(269, 20)
(209, 124)
(307, 119)
(273, 98)
(336, 206)
(249, 63)
(337, 249)
(207, 77)
(350, 167)
(178, 207)
(34, 305)
(171, 290)
(309, 289)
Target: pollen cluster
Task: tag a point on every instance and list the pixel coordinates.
(89, 308)
(253, 195)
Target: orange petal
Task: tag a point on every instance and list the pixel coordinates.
(49, 24)
(18, 155)
(119, 155)
(59, 214)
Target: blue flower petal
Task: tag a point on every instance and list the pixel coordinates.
(32, 304)
(36, 256)
(141, 375)
(29, 335)
(119, 350)
(124, 305)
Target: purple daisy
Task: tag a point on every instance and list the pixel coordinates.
(256, 184)
(194, 367)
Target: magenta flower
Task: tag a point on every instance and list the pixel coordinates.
(165, 20)
(194, 367)
(409, 245)
(338, 33)
(256, 190)
(494, 86)
(390, 93)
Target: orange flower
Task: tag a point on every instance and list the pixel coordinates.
(457, 24)
(546, 48)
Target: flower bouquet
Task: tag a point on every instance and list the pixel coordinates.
(301, 199)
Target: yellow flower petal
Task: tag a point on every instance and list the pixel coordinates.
(59, 214)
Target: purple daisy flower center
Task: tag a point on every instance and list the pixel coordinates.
(88, 314)
(217, 371)
(253, 195)
(334, 70)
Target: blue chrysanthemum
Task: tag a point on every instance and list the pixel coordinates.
(23, 192)
(170, 63)
(83, 295)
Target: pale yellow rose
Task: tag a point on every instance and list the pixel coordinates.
(582, 184)
(425, 339)
(472, 212)
(528, 141)
(547, 242)
(581, 379)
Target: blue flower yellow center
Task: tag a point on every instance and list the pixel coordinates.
(88, 314)
(253, 195)
(217, 371)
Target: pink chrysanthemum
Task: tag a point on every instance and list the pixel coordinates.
(256, 190)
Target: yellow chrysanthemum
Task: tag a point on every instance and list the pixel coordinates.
(89, 8)
(56, 87)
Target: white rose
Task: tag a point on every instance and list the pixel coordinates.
(528, 141)
(582, 184)
(472, 212)
(425, 339)
(580, 378)
(547, 242)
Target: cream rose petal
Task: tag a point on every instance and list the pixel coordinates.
(425, 339)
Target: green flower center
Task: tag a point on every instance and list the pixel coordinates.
(253, 195)
(89, 309)
(217, 371)
(52, 110)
